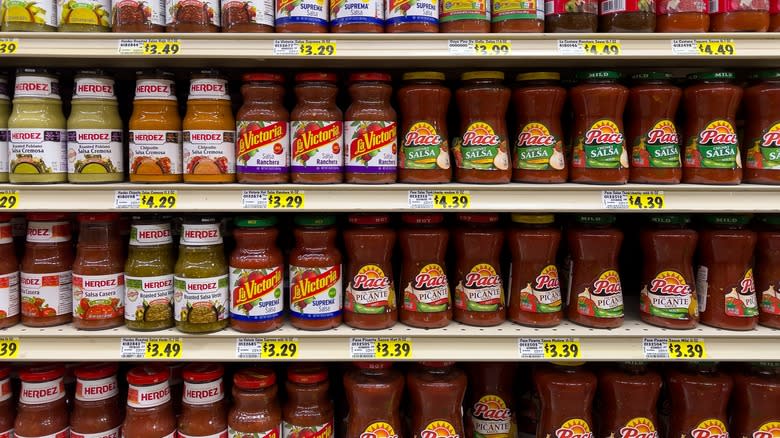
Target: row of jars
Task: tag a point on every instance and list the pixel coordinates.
(317, 143)
(371, 16)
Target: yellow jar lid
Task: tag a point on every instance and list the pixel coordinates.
(430, 75)
(539, 76)
(533, 218)
(471, 75)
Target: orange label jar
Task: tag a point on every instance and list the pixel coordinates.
(9, 275)
(96, 412)
(203, 408)
(209, 135)
(739, 16)
(42, 410)
(149, 409)
(761, 147)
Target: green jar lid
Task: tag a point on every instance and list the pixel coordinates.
(770, 219)
(596, 219)
(315, 220)
(712, 76)
(652, 76)
(670, 219)
(766, 74)
(727, 219)
(255, 221)
(534, 219)
(598, 75)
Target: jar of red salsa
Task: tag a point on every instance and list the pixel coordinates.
(707, 410)
(566, 392)
(423, 240)
(628, 400)
(756, 397)
(308, 407)
(315, 274)
(464, 16)
(149, 409)
(357, 16)
(374, 391)
(7, 403)
(96, 411)
(538, 145)
(678, 16)
(774, 16)
(767, 272)
(739, 16)
(253, 16)
(761, 147)
(571, 16)
(370, 301)
(712, 147)
(652, 132)
(436, 391)
(627, 16)
(203, 408)
(599, 146)
(513, 16)
(9, 275)
(535, 290)
(479, 293)
(481, 151)
(301, 16)
(418, 16)
(46, 274)
(256, 276)
(42, 410)
(255, 410)
(192, 16)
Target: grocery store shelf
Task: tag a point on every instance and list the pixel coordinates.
(396, 197)
(384, 50)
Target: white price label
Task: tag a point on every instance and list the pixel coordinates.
(380, 348)
(590, 47)
(274, 199)
(708, 47)
(450, 199)
(480, 47)
(249, 348)
(150, 348)
(138, 199)
(304, 48)
(553, 348)
(674, 348)
(151, 47)
(618, 199)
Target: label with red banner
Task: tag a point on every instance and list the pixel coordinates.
(256, 294)
(321, 431)
(764, 152)
(607, 7)
(209, 88)
(96, 390)
(46, 294)
(276, 432)
(148, 396)
(604, 299)
(97, 297)
(48, 232)
(316, 146)
(372, 147)
(721, 6)
(209, 152)
(201, 234)
(6, 392)
(315, 293)
(262, 147)
(203, 393)
(370, 291)
(664, 7)
(38, 393)
(554, 7)
(429, 292)
(480, 290)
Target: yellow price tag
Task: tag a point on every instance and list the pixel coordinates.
(163, 348)
(162, 47)
(493, 48)
(8, 46)
(393, 349)
(279, 349)
(158, 200)
(317, 48)
(646, 201)
(294, 200)
(562, 349)
(599, 48)
(687, 349)
(9, 348)
(9, 199)
(716, 48)
(451, 200)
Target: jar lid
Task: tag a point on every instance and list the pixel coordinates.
(727, 219)
(652, 76)
(94, 371)
(712, 76)
(422, 219)
(598, 75)
(539, 76)
(670, 219)
(203, 372)
(596, 219)
(472, 75)
(317, 77)
(263, 77)
(370, 76)
(369, 219)
(437, 364)
(429, 75)
(43, 217)
(307, 374)
(478, 218)
(42, 373)
(766, 74)
(147, 375)
(255, 221)
(97, 217)
(533, 218)
(254, 378)
(770, 219)
(5, 371)
(315, 220)
(374, 365)
(35, 71)
(6, 217)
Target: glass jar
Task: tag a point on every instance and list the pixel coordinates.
(420, 16)
(357, 16)
(195, 16)
(761, 147)
(149, 408)
(203, 408)
(84, 16)
(464, 17)
(96, 410)
(255, 16)
(308, 406)
(9, 275)
(42, 410)
(23, 16)
(5, 113)
(736, 16)
(7, 402)
(627, 16)
(567, 16)
(132, 16)
(676, 16)
(517, 16)
(256, 410)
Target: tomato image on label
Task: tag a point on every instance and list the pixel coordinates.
(423, 148)
(659, 147)
(315, 293)
(741, 300)
(711, 428)
(492, 418)
(429, 292)
(321, 431)
(412, 11)
(373, 146)
(544, 294)
(764, 152)
(606, 298)
(537, 149)
(439, 429)
(769, 429)
(262, 147)
(602, 146)
(380, 429)
(97, 297)
(302, 11)
(714, 147)
(256, 294)
(575, 428)
(480, 290)
(669, 296)
(639, 427)
(273, 433)
(149, 298)
(316, 146)
(370, 291)
(481, 149)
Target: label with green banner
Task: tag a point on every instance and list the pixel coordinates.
(715, 147)
(764, 152)
(669, 296)
(659, 147)
(600, 147)
(537, 149)
(481, 148)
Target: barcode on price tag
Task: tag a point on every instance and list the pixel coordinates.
(618, 199)
(273, 199)
(151, 348)
(380, 348)
(553, 348)
(674, 348)
(450, 199)
(249, 348)
(480, 47)
(137, 199)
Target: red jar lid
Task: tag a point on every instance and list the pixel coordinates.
(422, 219)
(98, 217)
(263, 77)
(6, 217)
(373, 365)
(42, 217)
(369, 76)
(254, 378)
(203, 372)
(478, 218)
(437, 364)
(318, 77)
(4, 372)
(96, 371)
(41, 373)
(369, 219)
(307, 374)
(147, 375)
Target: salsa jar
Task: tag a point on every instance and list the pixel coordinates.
(595, 289)
(712, 148)
(9, 277)
(7, 403)
(767, 274)
(317, 128)
(570, 16)
(46, 271)
(358, 16)
(371, 132)
(149, 276)
(209, 134)
(436, 391)
(481, 151)
(535, 290)
(149, 408)
(96, 409)
(200, 282)
(154, 140)
(412, 17)
(756, 397)
(738, 16)
(517, 16)
(315, 274)
(369, 300)
(699, 396)
(308, 408)
(37, 151)
(374, 391)
(599, 147)
(668, 296)
(5, 113)
(203, 407)
(538, 155)
(98, 273)
(423, 240)
(490, 403)
(761, 147)
(774, 16)
(255, 410)
(628, 395)
(302, 16)
(256, 276)
(566, 392)
(677, 16)
(42, 410)
(652, 132)
(425, 151)
(84, 16)
(479, 293)
(252, 16)
(22, 16)
(196, 16)
(636, 16)
(263, 131)
(463, 16)
(131, 16)
(724, 276)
